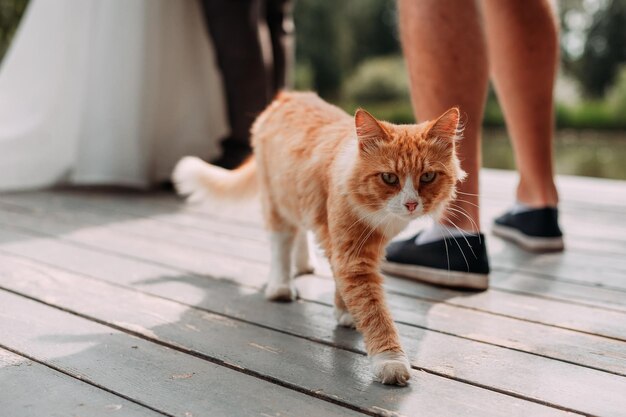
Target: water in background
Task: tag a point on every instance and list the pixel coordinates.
(590, 153)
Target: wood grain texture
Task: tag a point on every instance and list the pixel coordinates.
(337, 374)
(30, 389)
(163, 378)
(575, 347)
(453, 357)
(132, 237)
(549, 336)
(179, 227)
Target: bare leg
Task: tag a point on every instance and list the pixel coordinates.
(445, 50)
(523, 50)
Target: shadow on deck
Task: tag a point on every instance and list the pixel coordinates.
(130, 304)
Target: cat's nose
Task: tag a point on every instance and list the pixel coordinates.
(411, 205)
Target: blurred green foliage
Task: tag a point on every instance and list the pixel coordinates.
(10, 13)
(601, 27)
(334, 37)
(348, 51)
(378, 79)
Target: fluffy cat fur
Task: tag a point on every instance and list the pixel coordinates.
(355, 182)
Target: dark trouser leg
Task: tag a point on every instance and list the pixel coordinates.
(280, 25)
(234, 28)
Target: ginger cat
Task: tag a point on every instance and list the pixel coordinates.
(355, 182)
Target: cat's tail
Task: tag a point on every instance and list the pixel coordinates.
(200, 181)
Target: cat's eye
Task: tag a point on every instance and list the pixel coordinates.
(428, 177)
(389, 178)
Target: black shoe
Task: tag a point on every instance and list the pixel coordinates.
(535, 230)
(452, 262)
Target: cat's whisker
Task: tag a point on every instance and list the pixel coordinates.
(460, 219)
(461, 192)
(475, 228)
(453, 204)
(384, 234)
(460, 248)
(467, 202)
(461, 209)
(361, 219)
(362, 242)
(445, 242)
(358, 239)
(471, 221)
(369, 229)
(464, 237)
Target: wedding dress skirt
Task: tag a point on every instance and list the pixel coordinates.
(107, 92)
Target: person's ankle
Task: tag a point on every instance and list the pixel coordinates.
(538, 197)
(461, 221)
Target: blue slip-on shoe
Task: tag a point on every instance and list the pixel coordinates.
(459, 262)
(535, 230)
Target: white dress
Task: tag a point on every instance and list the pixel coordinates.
(107, 92)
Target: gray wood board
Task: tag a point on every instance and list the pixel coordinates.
(340, 375)
(175, 249)
(594, 270)
(588, 350)
(249, 242)
(600, 233)
(561, 384)
(30, 389)
(158, 376)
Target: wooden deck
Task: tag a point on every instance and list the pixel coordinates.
(129, 304)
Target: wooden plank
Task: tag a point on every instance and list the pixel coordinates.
(592, 351)
(158, 376)
(573, 190)
(578, 223)
(459, 359)
(340, 375)
(522, 282)
(574, 267)
(545, 311)
(195, 258)
(30, 389)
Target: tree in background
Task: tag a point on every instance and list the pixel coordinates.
(594, 42)
(605, 50)
(333, 37)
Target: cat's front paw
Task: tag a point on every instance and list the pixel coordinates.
(392, 368)
(281, 292)
(344, 318)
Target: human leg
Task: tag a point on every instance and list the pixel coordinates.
(522, 39)
(446, 57)
(239, 48)
(523, 50)
(281, 30)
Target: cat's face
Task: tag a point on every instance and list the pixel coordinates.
(406, 171)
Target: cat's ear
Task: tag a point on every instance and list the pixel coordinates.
(446, 128)
(369, 130)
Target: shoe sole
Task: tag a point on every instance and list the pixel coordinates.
(530, 243)
(444, 277)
